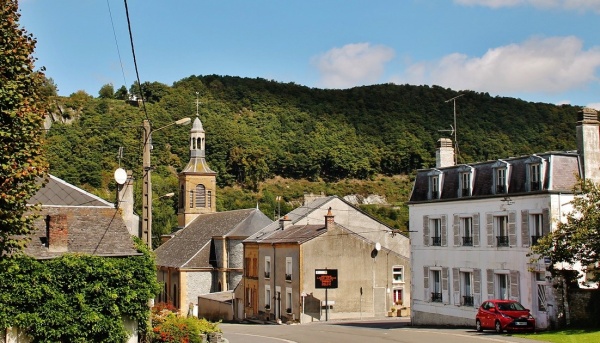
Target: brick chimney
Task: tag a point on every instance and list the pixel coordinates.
(444, 154)
(588, 143)
(57, 235)
(284, 222)
(329, 222)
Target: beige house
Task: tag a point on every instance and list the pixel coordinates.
(329, 233)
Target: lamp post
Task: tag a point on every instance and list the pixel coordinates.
(147, 183)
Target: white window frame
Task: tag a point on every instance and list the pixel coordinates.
(501, 177)
(397, 270)
(465, 181)
(466, 286)
(288, 268)
(268, 296)
(435, 184)
(502, 289)
(267, 267)
(288, 300)
(466, 229)
(436, 283)
(436, 229)
(501, 229)
(536, 226)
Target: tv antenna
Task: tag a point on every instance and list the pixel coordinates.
(197, 104)
(454, 128)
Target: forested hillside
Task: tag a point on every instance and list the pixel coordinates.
(258, 129)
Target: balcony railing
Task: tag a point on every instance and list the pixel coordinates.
(467, 300)
(534, 239)
(267, 275)
(468, 241)
(436, 297)
(535, 186)
(436, 241)
(502, 241)
(466, 192)
(435, 195)
(288, 277)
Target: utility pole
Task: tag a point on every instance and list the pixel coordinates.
(147, 188)
(455, 128)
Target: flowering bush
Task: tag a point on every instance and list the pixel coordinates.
(169, 326)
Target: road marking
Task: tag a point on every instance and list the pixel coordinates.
(461, 335)
(279, 339)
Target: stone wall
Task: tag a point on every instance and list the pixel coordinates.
(584, 307)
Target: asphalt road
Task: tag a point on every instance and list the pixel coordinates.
(372, 331)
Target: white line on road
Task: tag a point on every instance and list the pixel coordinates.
(279, 339)
(461, 335)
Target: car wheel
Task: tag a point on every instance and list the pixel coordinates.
(478, 326)
(498, 327)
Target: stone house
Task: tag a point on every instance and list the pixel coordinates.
(371, 260)
(476, 222)
(206, 254)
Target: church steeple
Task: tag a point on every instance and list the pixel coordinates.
(197, 182)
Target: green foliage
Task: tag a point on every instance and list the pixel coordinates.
(577, 239)
(21, 125)
(77, 298)
(121, 93)
(169, 326)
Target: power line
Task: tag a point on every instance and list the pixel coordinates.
(137, 74)
(116, 43)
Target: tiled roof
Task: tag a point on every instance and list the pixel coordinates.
(295, 234)
(95, 231)
(562, 169)
(58, 192)
(190, 247)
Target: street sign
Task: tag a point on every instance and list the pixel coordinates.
(326, 278)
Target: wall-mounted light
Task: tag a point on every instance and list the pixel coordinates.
(507, 200)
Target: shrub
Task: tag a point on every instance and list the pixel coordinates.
(169, 326)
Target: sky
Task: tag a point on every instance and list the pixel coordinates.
(535, 50)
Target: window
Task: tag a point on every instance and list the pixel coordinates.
(247, 264)
(501, 229)
(502, 289)
(249, 297)
(288, 300)
(435, 187)
(535, 177)
(541, 291)
(200, 196)
(191, 199)
(288, 269)
(397, 274)
(466, 288)
(436, 295)
(267, 297)
(398, 296)
(500, 180)
(209, 199)
(181, 196)
(465, 184)
(436, 225)
(466, 224)
(535, 222)
(267, 267)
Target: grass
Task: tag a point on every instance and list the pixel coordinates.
(565, 336)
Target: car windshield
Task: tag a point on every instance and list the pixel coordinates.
(510, 306)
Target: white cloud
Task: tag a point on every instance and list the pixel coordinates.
(352, 64)
(549, 65)
(574, 5)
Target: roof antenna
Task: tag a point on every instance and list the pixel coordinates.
(455, 129)
(197, 104)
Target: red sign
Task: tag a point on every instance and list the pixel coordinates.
(326, 278)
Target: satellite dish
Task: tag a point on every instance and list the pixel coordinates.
(120, 176)
(377, 246)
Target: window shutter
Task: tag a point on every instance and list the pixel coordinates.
(444, 231)
(456, 286)
(490, 283)
(476, 287)
(514, 285)
(426, 231)
(476, 229)
(427, 296)
(546, 221)
(512, 228)
(490, 229)
(445, 290)
(525, 228)
(456, 228)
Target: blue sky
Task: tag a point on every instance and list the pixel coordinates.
(535, 50)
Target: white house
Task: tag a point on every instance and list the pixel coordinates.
(476, 223)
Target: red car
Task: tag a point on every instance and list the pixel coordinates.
(500, 315)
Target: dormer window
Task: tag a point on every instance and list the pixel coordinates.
(465, 183)
(535, 167)
(500, 177)
(434, 184)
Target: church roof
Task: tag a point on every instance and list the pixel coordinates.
(191, 246)
(198, 165)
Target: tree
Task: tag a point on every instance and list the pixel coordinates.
(121, 93)
(576, 240)
(21, 127)
(107, 91)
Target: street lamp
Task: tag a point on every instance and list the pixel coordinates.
(147, 186)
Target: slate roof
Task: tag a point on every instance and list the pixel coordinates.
(94, 225)
(191, 246)
(562, 168)
(295, 234)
